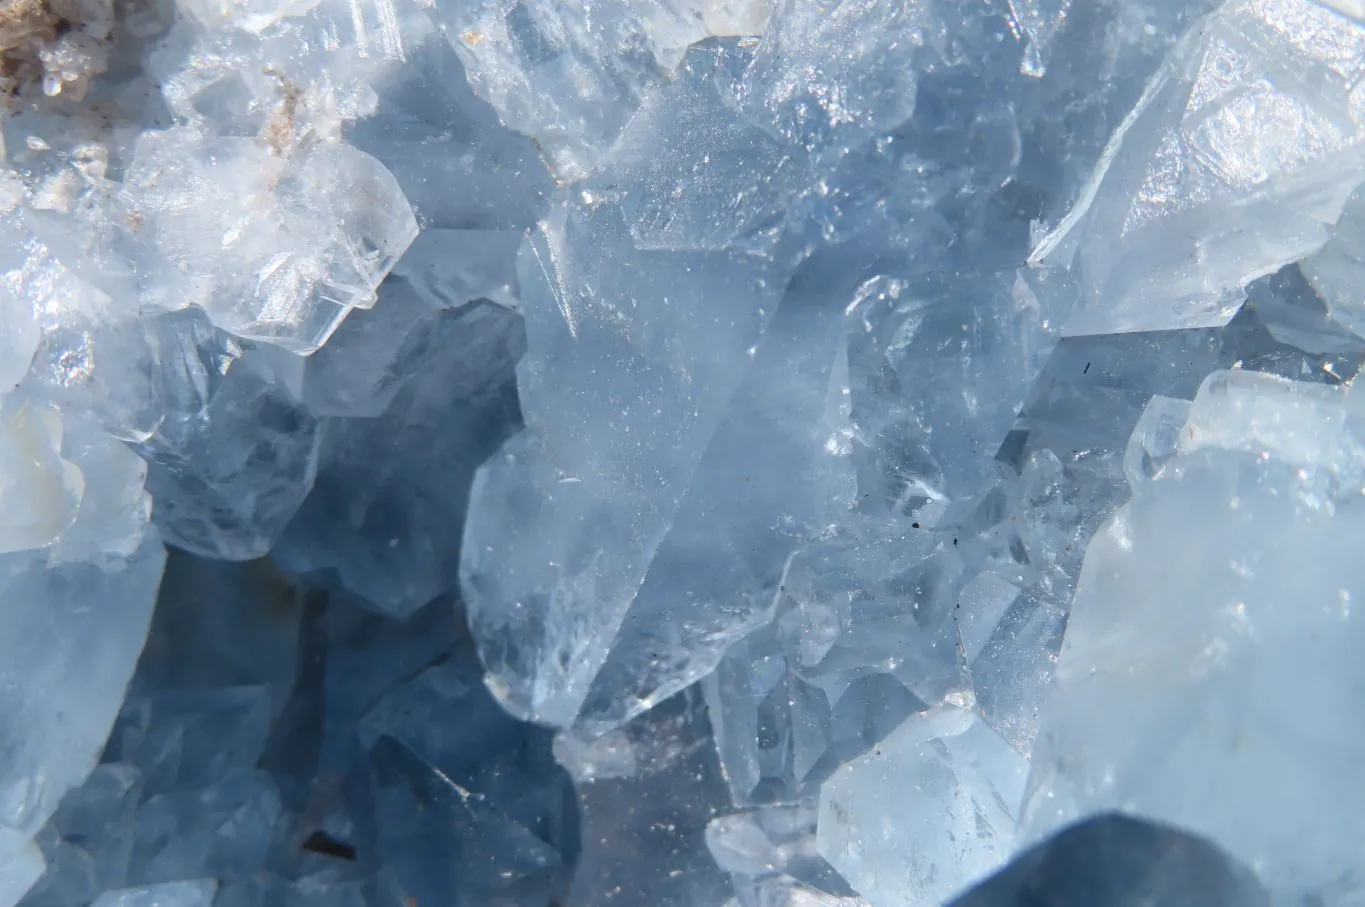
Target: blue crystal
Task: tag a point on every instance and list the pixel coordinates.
(712, 453)
(1115, 861)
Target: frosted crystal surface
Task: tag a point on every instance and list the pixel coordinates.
(1254, 116)
(1267, 463)
(290, 256)
(75, 634)
(570, 75)
(961, 791)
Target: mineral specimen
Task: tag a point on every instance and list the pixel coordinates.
(683, 453)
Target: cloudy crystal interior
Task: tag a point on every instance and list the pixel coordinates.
(682, 453)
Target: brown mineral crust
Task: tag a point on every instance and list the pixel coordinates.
(25, 27)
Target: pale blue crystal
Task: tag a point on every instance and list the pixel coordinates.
(1260, 465)
(66, 668)
(620, 403)
(961, 783)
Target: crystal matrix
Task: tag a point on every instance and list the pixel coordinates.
(685, 453)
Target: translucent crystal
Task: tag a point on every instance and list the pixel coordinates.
(1012, 673)
(86, 842)
(776, 471)
(223, 831)
(236, 452)
(621, 402)
(292, 258)
(865, 636)
(1227, 132)
(421, 813)
(571, 75)
(387, 508)
(41, 492)
(772, 859)
(1258, 485)
(1156, 438)
(66, 667)
(21, 863)
(811, 83)
(193, 737)
(960, 790)
(114, 507)
(692, 174)
(240, 621)
(1335, 270)
(939, 371)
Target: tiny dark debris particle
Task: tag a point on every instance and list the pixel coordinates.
(328, 846)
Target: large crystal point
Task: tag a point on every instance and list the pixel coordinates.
(1200, 653)
(1255, 118)
(632, 358)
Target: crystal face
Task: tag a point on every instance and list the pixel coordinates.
(681, 453)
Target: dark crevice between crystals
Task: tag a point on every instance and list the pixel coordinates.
(301, 748)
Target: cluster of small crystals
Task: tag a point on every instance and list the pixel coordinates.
(681, 453)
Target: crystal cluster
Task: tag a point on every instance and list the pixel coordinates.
(681, 453)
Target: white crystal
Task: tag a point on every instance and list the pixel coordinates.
(264, 243)
(40, 492)
(114, 509)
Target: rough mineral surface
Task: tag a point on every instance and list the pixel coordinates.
(682, 453)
